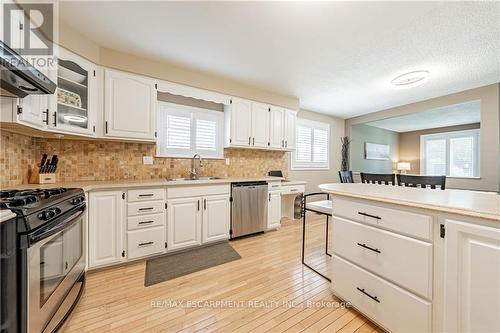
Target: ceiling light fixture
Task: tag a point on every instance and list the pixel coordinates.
(411, 79)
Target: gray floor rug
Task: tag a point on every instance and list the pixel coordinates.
(170, 266)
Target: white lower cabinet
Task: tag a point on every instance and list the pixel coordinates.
(390, 306)
(386, 253)
(183, 223)
(146, 242)
(472, 278)
(274, 210)
(106, 228)
(197, 220)
(215, 218)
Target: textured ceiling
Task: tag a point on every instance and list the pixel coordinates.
(337, 57)
(451, 115)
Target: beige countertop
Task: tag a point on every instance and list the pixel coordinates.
(469, 203)
(98, 185)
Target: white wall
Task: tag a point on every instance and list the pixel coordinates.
(360, 134)
(317, 177)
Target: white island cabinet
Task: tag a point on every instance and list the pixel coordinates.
(417, 260)
(472, 277)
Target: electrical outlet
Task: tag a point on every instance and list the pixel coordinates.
(227, 161)
(147, 160)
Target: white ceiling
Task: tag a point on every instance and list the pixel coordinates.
(337, 57)
(451, 115)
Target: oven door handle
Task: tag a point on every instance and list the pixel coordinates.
(67, 222)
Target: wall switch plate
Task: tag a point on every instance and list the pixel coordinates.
(227, 161)
(147, 160)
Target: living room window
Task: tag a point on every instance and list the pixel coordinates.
(185, 130)
(312, 145)
(454, 154)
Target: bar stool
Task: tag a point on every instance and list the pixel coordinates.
(323, 207)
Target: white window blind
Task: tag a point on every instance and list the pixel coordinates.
(454, 154)
(184, 131)
(312, 145)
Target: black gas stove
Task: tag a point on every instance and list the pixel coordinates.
(37, 207)
(43, 258)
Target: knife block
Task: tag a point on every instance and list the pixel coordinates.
(41, 178)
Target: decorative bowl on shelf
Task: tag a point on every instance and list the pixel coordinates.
(70, 75)
(69, 98)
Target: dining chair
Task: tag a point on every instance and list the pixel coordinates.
(346, 177)
(422, 181)
(378, 178)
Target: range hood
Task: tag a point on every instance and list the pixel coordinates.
(20, 78)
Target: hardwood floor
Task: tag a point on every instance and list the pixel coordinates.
(268, 290)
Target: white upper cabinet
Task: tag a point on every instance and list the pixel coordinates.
(290, 123)
(129, 106)
(260, 125)
(472, 278)
(256, 125)
(33, 109)
(276, 127)
(238, 119)
(73, 108)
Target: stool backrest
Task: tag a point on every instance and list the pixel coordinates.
(378, 178)
(422, 181)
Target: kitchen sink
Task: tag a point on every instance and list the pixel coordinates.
(199, 178)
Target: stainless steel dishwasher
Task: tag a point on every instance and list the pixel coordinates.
(248, 208)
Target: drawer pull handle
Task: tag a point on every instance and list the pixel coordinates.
(145, 195)
(146, 244)
(293, 190)
(145, 222)
(146, 208)
(369, 248)
(369, 215)
(375, 298)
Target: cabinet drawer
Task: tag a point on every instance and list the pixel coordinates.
(412, 224)
(274, 185)
(146, 221)
(395, 309)
(403, 260)
(145, 242)
(143, 208)
(197, 191)
(146, 194)
(293, 189)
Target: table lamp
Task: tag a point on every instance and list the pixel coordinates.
(403, 167)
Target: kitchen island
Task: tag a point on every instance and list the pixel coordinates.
(415, 259)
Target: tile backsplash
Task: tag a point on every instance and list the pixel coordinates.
(81, 160)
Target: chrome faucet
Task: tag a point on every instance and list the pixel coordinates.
(194, 168)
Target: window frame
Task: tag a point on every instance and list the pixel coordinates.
(195, 113)
(447, 136)
(313, 124)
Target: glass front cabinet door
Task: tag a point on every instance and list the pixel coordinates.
(74, 106)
